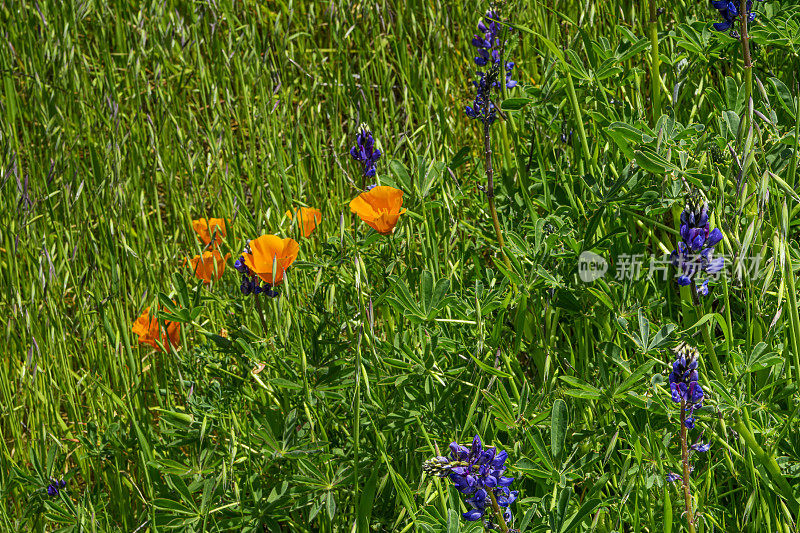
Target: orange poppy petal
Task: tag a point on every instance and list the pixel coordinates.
(270, 256)
(386, 197)
(149, 331)
(310, 218)
(210, 266)
(379, 208)
(206, 228)
(361, 207)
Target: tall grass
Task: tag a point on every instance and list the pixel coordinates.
(121, 122)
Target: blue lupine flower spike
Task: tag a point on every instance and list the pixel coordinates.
(477, 472)
(683, 383)
(695, 252)
(365, 152)
(490, 43)
(730, 14)
(55, 487)
(251, 283)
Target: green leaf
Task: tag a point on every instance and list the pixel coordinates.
(460, 158)
(576, 519)
(581, 389)
(512, 104)
(330, 505)
(401, 174)
(591, 227)
(285, 384)
(652, 162)
(644, 330)
(453, 521)
(667, 510)
(431, 175)
(631, 380)
(784, 96)
(367, 501)
(732, 121)
(170, 505)
(661, 336)
(426, 291)
(558, 427)
(489, 369)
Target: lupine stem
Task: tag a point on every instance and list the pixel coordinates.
(487, 152)
(498, 513)
(748, 65)
(687, 495)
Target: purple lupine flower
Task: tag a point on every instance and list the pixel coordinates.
(474, 471)
(365, 152)
(701, 447)
(240, 266)
(251, 283)
(695, 251)
(683, 382)
(482, 109)
(55, 487)
(490, 44)
(672, 477)
(730, 13)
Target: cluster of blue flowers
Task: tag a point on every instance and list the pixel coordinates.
(365, 152)
(730, 13)
(683, 382)
(251, 284)
(687, 392)
(696, 249)
(55, 487)
(477, 472)
(490, 45)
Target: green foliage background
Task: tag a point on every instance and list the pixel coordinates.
(120, 122)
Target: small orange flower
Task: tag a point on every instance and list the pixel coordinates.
(209, 266)
(269, 256)
(206, 228)
(150, 331)
(379, 208)
(309, 218)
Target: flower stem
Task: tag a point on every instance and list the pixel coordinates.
(261, 314)
(687, 495)
(748, 64)
(498, 513)
(487, 152)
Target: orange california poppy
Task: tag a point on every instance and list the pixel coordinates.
(209, 266)
(309, 218)
(379, 208)
(206, 228)
(150, 331)
(269, 256)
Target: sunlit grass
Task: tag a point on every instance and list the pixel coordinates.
(122, 124)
